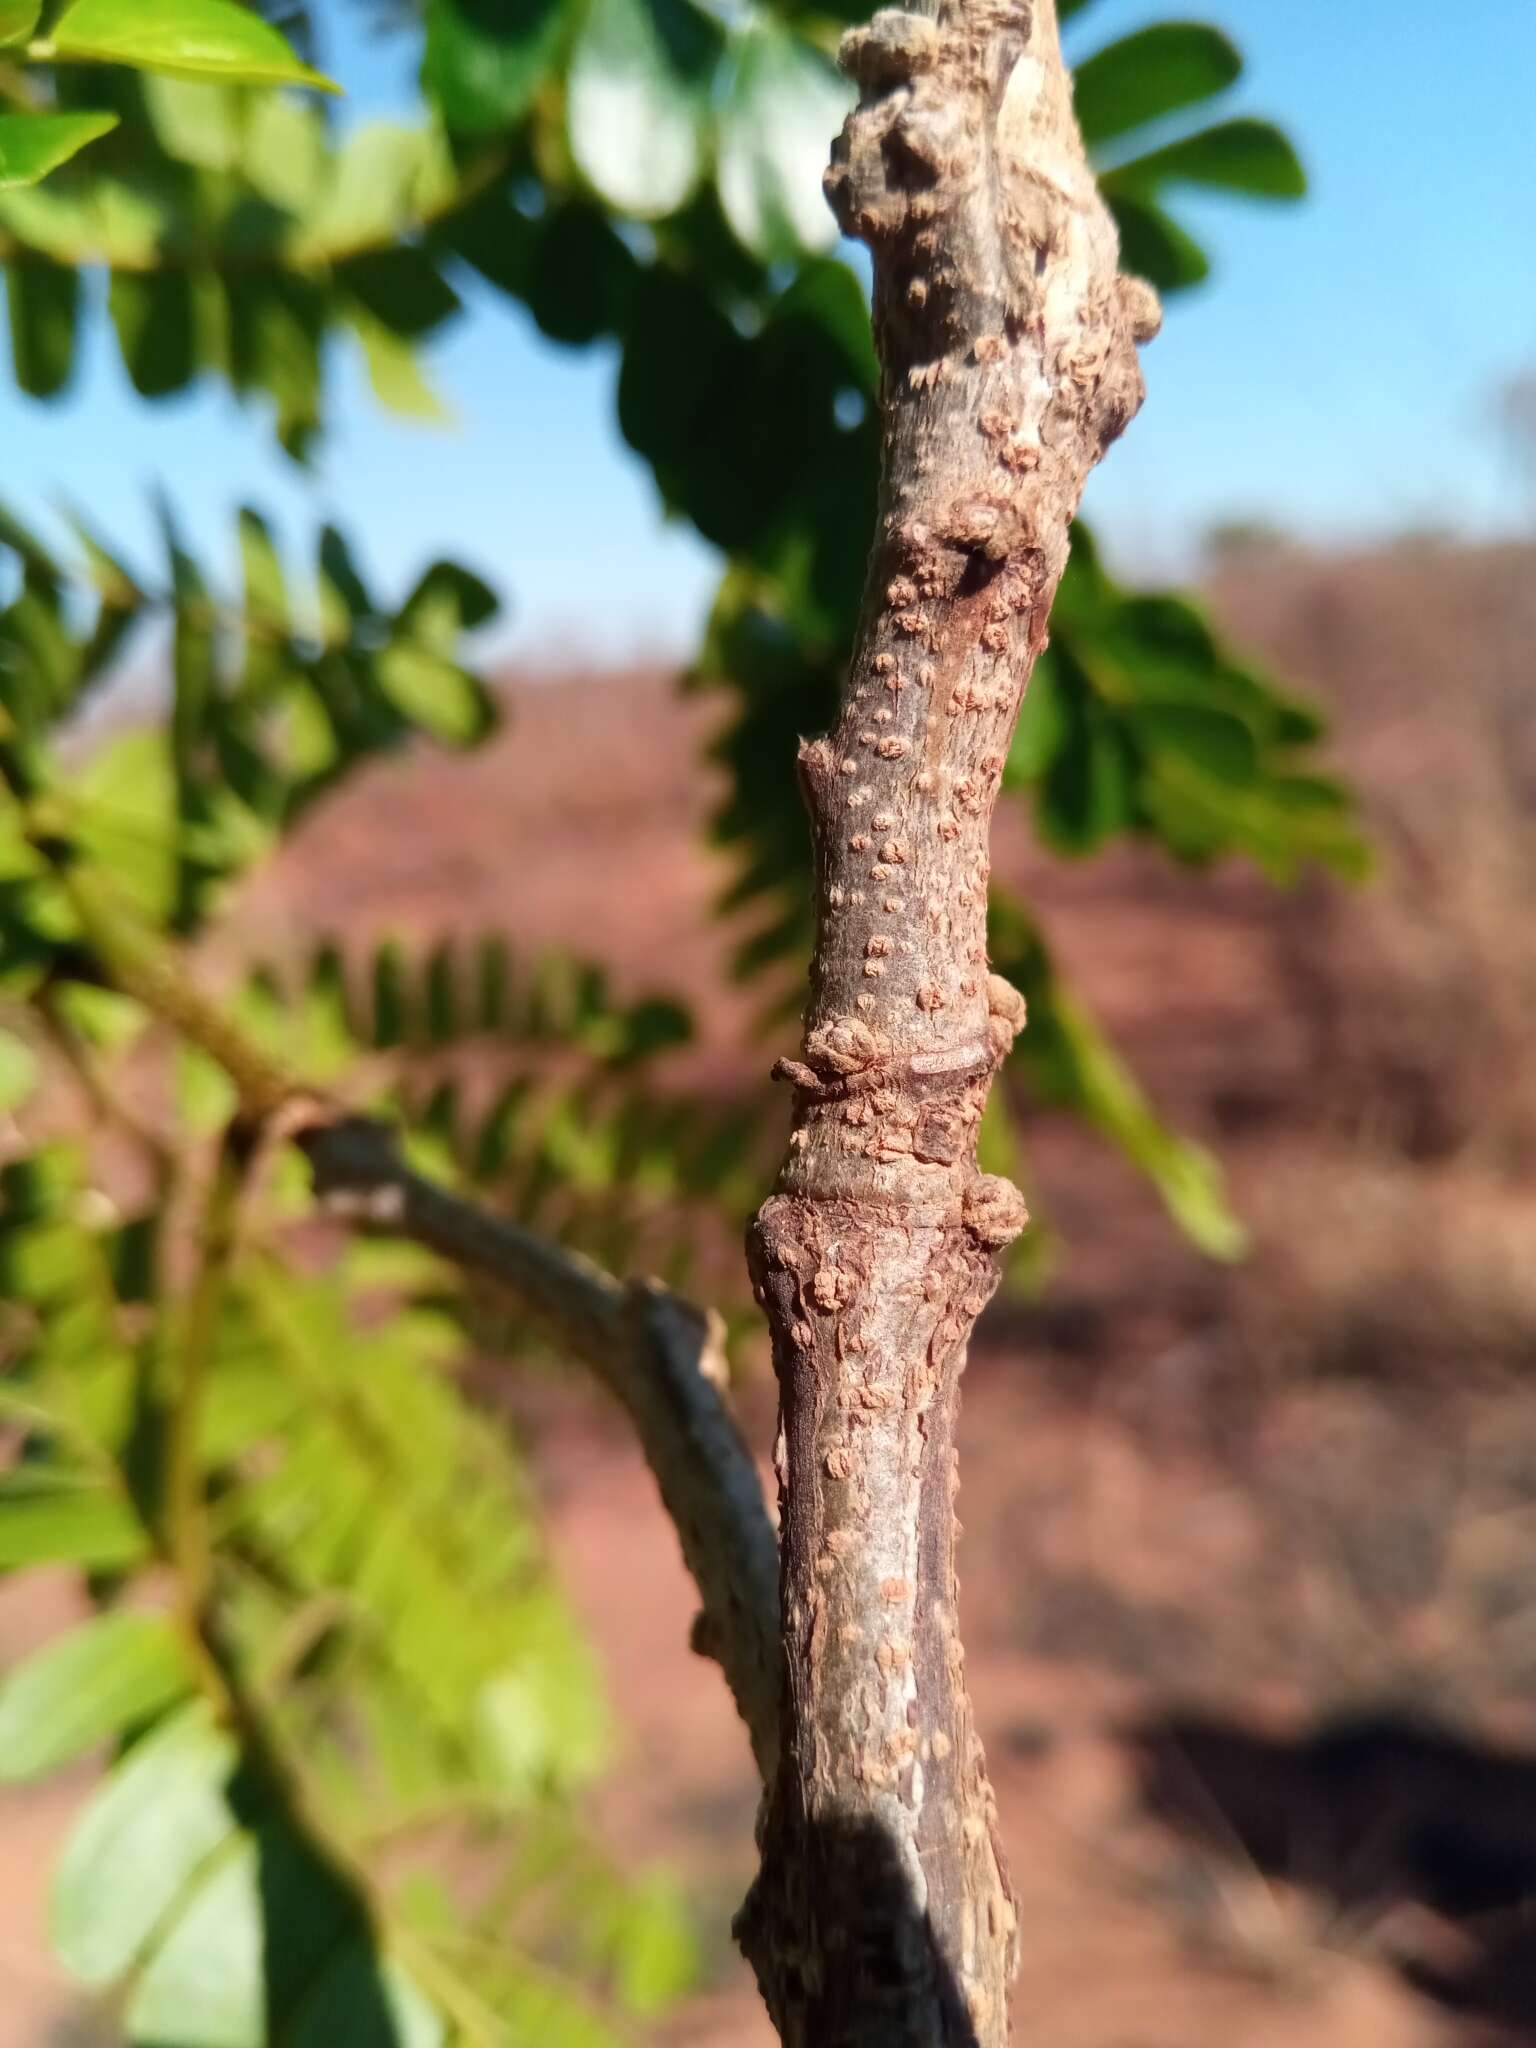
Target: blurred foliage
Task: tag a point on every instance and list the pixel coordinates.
(320, 1626)
(323, 1623)
(204, 39)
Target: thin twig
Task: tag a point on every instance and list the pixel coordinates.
(186, 1510)
(661, 1358)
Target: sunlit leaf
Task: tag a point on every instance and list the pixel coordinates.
(198, 121)
(395, 375)
(88, 1685)
(68, 1524)
(32, 145)
(637, 97)
(19, 1071)
(1072, 1065)
(185, 38)
(433, 693)
(784, 101)
(162, 1812)
(18, 18)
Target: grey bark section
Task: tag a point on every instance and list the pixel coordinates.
(882, 1913)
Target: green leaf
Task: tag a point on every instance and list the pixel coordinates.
(395, 375)
(183, 38)
(637, 99)
(1187, 1177)
(1041, 729)
(783, 104)
(1085, 794)
(18, 18)
(1157, 71)
(579, 277)
(32, 145)
(1214, 742)
(266, 587)
(202, 1987)
(154, 318)
(161, 1814)
(88, 1686)
(276, 327)
(197, 121)
(128, 821)
(244, 1962)
(385, 176)
(114, 583)
(485, 59)
(402, 287)
(19, 1072)
(344, 597)
(284, 152)
(1154, 246)
(206, 1098)
(434, 693)
(448, 600)
(68, 1523)
(366, 2003)
(1072, 1065)
(1235, 156)
(648, 1941)
(42, 298)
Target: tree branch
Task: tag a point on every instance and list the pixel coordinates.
(659, 1356)
(882, 1916)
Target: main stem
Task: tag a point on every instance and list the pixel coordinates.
(882, 1916)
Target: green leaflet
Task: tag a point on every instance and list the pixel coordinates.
(1235, 156)
(186, 38)
(19, 1072)
(42, 298)
(32, 145)
(217, 1980)
(158, 1818)
(638, 99)
(433, 694)
(1070, 1064)
(67, 1523)
(395, 375)
(1153, 245)
(783, 103)
(18, 18)
(484, 60)
(1157, 71)
(101, 1678)
(176, 813)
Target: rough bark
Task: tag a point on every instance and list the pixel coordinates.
(882, 1913)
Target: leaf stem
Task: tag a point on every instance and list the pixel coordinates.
(186, 1510)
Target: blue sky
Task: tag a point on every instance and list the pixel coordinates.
(1335, 376)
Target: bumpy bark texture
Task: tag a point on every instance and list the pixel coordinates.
(882, 1914)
